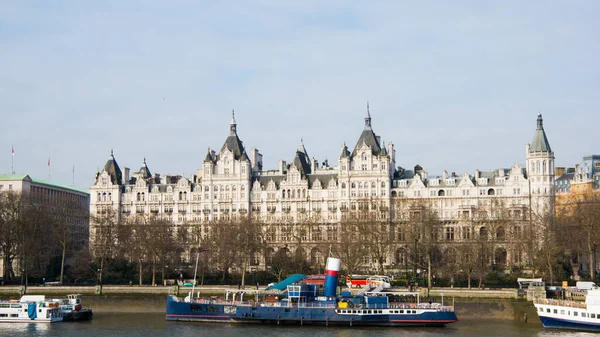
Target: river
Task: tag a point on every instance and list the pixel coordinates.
(142, 316)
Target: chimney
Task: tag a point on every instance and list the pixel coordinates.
(256, 160)
(314, 165)
(445, 175)
(125, 174)
(281, 166)
(476, 173)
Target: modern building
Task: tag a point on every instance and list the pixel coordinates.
(56, 194)
(232, 183)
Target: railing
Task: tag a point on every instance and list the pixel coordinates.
(562, 303)
(401, 305)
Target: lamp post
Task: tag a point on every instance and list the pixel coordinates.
(99, 279)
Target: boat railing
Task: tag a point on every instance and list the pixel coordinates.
(562, 303)
(397, 305)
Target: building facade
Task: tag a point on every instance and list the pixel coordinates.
(366, 180)
(53, 194)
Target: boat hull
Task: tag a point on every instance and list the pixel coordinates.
(79, 316)
(243, 313)
(558, 323)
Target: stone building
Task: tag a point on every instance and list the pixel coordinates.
(53, 194)
(366, 180)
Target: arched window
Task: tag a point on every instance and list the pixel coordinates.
(441, 193)
(373, 185)
(353, 185)
(343, 185)
(139, 197)
(109, 196)
(483, 232)
(500, 234)
(491, 191)
(180, 195)
(383, 184)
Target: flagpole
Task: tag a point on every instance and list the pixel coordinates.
(12, 160)
(73, 184)
(48, 168)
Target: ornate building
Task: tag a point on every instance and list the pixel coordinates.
(232, 183)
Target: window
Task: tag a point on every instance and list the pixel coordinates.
(450, 234)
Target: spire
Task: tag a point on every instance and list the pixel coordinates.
(112, 154)
(540, 141)
(232, 125)
(368, 118)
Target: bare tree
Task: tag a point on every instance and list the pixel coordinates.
(104, 239)
(10, 213)
(350, 249)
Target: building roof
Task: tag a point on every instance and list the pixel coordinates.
(145, 171)
(21, 177)
(113, 169)
(540, 141)
(302, 161)
(233, 142)
(368, 137)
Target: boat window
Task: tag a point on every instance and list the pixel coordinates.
(562, 312)
(583, 314)
(592, 315)
(3, 315)
(401, 311)
(555, 311)
(574, 313)
(548, 310)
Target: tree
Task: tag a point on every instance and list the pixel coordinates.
(10, 213)
(350, 249)
(375, 232)
(104, 238)
(222, 252)
(65, 216)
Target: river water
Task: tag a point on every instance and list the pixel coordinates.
(123, 317)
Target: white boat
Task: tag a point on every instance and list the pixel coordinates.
(30, 309)
(568, 314)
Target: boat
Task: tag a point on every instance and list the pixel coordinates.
(570, 314)
(30, 309)
(72, 309)
(304, 304)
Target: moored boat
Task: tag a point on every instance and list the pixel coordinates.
(570, 314)
(72, 309)
(303, 304)
(30, 309)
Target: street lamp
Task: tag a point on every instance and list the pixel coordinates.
(99, 279)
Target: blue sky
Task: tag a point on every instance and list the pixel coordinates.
(454, 85)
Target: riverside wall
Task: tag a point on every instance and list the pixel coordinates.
(469, 303)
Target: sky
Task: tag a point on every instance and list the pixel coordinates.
(454, 85)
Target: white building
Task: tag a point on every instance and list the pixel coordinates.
(233, 183)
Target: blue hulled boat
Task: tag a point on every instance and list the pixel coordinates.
(570, 314)
(303, 304)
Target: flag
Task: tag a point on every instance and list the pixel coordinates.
(13, 151)
(48, 160)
